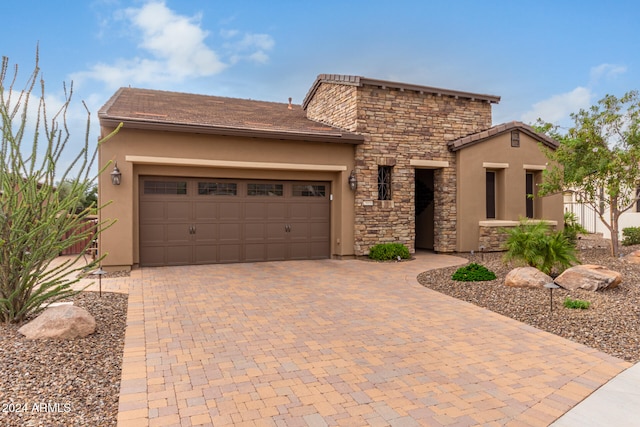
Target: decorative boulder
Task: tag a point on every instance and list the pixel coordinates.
(527, 277)
(589, 277)
(61, 322)
(633, 257)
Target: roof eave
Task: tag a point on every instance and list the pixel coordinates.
(334, 137)
(360, 81)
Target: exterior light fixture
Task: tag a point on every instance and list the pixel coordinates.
(99, 272)
(116, 175)
(551, 286)
(353, 184)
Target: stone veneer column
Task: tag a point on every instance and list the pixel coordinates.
(400, 125)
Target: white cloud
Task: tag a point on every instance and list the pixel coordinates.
(251, 47)
(559, 107)
(606, 71)
(173, 48)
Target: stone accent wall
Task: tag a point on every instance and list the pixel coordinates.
(492, 239)
(400, 125)
(335, 105)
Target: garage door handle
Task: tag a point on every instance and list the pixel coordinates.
(192, 229)
(287, 228)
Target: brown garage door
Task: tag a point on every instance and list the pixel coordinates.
(207, 221)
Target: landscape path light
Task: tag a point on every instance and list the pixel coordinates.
(551, 286)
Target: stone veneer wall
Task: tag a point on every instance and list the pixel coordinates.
(400, 125)
(492, 238)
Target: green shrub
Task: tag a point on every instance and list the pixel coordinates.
(572, 227)
(630, 236)
(389, 251)
(533, 243)
(473, 273)
(576, 303)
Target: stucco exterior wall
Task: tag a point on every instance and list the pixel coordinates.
(162, 153)
(400, 126)
(511, 165)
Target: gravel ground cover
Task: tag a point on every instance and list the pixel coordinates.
(611, 324)
(65, 383)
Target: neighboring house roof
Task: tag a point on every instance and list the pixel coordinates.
(184, 112)
(360, 81)
(475, 138)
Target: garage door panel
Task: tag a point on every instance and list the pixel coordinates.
(254, 232)
(206, 232)
(206, 211)
(255, 252)
(224, 221)
(277, 211)
(276, 251)
(179, 255)
(153, 211)
(152, 233)
(206, 254)
(177, 210)
(276, 231)
(319, 230)
(230, 233)
(318, 250)
(318, 211)
(229, 253)
(230, 211)
(177, 233)
(153, 256)
(255, 211)
(300, 211)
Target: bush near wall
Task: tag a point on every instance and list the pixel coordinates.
(631, 236)
(389, 251)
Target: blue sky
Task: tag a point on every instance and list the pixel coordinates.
(544, 58)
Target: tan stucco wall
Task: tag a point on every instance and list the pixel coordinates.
(159, 153)
(495, 154)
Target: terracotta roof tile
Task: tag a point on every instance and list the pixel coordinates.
(213, 114)
(477, 137)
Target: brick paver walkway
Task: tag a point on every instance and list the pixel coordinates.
(337, 343)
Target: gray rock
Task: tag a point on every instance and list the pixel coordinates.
(589, 277)
(527, 277)
(61, 322)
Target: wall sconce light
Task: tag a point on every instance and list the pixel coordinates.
(353, 184)
(116, 175)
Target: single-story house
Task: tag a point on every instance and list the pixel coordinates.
(208, 179)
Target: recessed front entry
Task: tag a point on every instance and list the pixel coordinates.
(207, 221)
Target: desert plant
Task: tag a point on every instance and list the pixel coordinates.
(35, 216)
(473, 273)
(533, 243)
(576, 303)
(389, 251)
(572, 228)
(631, 236)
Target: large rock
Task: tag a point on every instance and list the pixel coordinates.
(589, 277)
(633, 257)
(527, 277)
(62, 322)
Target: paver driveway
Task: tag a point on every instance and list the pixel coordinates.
(353, 343)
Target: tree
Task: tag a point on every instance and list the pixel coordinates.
(34, 215)
(598, 159)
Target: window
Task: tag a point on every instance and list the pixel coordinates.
(530, 192)
(515, 138)
(165, 187)
(308, 190)
(384, 182)
(265, 189)
(638, 201)
(218, 188)
(491, 194)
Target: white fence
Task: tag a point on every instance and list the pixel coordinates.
(586, 215)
